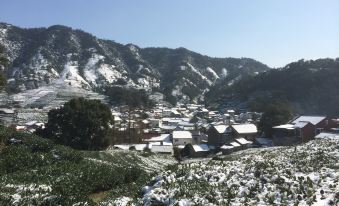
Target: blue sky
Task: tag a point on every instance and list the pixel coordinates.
(274, 32)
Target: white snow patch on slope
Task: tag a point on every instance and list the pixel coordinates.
(224, 72)
(89, 71)
(109, 73)
(70, 75)
(197, 72)
(209, 69)
(182, 68)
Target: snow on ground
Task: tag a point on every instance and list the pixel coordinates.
(70, 75)
(197, 72)
(89, 71)
(224, 72)
(109, 73)
(305, 175)
(209, 69)
(28, 192)
(177, 91)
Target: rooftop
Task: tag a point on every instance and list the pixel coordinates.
(245, 128)
(201, 148)
(221, 128)
(181, 135)
(312, 119)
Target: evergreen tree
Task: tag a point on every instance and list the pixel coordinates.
(3, 65)
(275, 114)
(81, 124)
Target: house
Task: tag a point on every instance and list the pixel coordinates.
(290, 134)
(246, 131)
(219, 135)
(301, 129)
(181, 137)
(227, 149)
(201, 150)
(243, 142)
(231, 147)
(320, 123)
(163, 139)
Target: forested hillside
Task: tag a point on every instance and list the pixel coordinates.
(310, 87)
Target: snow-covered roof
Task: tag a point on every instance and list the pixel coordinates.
(284, 126)
(235, 144)
(182, 135)
(167, 127)
(138, 147)
(161, 138)
(243, 141)
(325, 135)
(221, 128)
(122, 146)
(245, 128)
(162, 148)
(201, 148)
(226, 147)
(312, 119)
(300, 124)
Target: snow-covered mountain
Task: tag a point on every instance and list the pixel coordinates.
(62, 55)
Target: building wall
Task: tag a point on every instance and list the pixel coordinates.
(217, 139)
(326, 124)
(182, 141)
(250, 136)
(307, 132)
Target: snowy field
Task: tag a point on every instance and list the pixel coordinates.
(304, 175)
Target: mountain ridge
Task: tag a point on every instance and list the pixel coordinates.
(60, 54)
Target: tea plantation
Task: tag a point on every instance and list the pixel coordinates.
(35, 171)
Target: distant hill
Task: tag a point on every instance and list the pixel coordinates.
(62, 55)
(310, 87)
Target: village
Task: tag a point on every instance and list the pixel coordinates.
(196, 131)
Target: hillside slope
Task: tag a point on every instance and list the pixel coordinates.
(310, 87)
(303, 175)
(36, 171)
(62, 55)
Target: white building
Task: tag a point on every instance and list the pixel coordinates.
(182, 137)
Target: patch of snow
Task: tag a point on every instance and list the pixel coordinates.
(224, 72)
(209, 82)
(90, 69)
(70, 75)
(215, 75)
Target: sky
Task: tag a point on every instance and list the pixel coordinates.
(275, 32)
